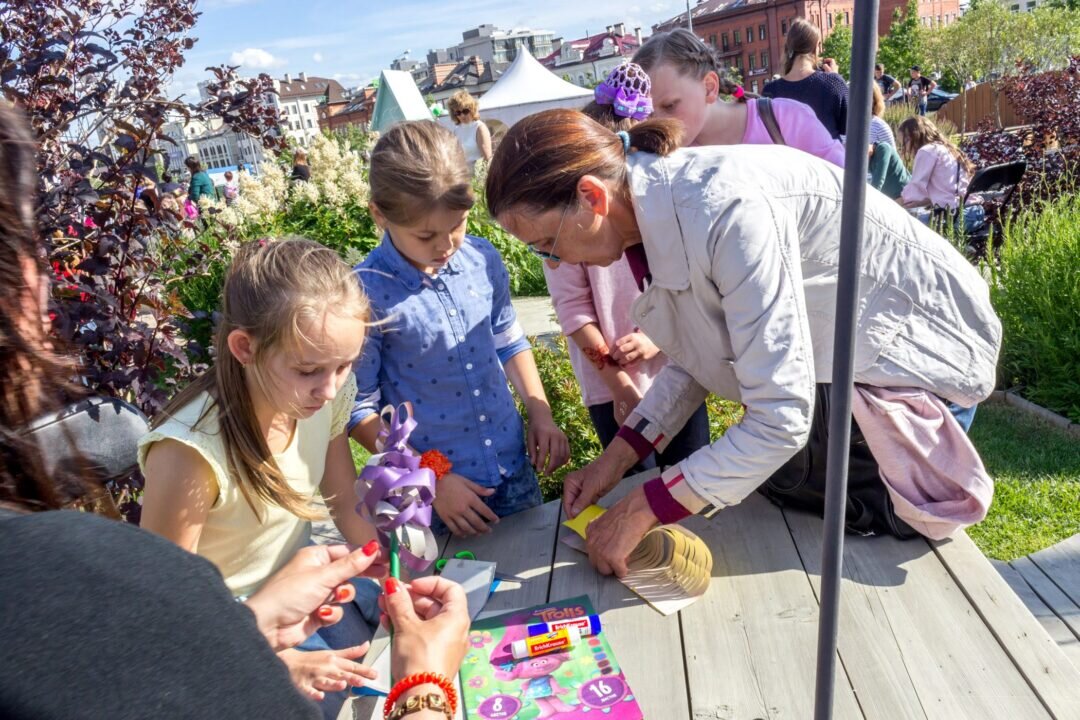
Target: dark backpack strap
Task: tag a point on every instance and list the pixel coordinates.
(764, 110)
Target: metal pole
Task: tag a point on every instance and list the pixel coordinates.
(689, 20)
(851, 230)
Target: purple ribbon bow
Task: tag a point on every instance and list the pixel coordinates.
(397, 493)
(627, 103)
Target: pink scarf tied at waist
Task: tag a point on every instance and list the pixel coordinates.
(933, 473)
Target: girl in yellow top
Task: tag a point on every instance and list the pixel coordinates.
(234, 460)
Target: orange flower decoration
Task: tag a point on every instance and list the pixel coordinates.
(436, 462)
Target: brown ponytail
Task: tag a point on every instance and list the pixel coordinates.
(539, 162)
(803, 38)
(689, 55)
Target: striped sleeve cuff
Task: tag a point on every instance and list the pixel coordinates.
(670, 497)
(510, 342)
(643, 435)
(636, 440)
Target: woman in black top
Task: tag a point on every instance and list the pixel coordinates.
(300, 172)
(825, 92)
(99, 619)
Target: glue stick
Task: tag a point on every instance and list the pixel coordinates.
(554, 641)
(586, 626)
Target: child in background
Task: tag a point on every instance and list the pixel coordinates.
(880, 132)
(232, 462)
(687, 82)
(448, 337)
(614, 362)
(887, 171)
(940, 173)
(232, 189)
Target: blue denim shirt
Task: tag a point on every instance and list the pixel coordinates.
(442, 346)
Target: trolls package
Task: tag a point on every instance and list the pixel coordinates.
(582, 682)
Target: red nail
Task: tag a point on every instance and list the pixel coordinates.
(344, 593)
(392, 586)
(326, 611)
(371, 548)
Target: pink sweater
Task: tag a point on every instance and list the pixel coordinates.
(799, 126)
(601, 295)
(934, 179)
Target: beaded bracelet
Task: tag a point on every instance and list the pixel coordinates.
(436, 462)
(425, 678)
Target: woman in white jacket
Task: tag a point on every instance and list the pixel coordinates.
(738, 246)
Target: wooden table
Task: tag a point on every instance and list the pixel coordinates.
(928, 630)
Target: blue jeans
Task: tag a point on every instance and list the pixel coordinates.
(964, 416)
(515, 493)
(921, 109)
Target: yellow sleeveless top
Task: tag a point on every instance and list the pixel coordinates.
(248, 549)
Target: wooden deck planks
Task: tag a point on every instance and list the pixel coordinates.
(751, 642)
(1051, 607)
(914, 644)
(954, 665)
(1041, 662)
(1061, 563)
(871, 654)
(647, 645)
(522, 545)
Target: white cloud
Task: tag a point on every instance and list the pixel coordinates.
(317, 57)
(255, 59)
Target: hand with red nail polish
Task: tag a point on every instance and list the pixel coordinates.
(293, 603)
(430, 617)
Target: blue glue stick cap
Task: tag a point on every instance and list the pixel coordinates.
(586, 626)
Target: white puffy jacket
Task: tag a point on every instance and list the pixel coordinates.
(743, 245)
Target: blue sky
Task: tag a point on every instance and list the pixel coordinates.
(352, 40)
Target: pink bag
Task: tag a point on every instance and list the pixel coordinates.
(190, 210)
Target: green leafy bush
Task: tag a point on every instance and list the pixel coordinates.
(1035, 289)
(348, 230)
(193, 277)
(526, 270)
(564, 395)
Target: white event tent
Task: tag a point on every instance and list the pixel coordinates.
(398, 99)
(527, 87)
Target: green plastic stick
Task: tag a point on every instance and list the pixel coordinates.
(395, 572)
(395, 562)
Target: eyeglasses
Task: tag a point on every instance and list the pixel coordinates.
(551, 255)
(459, 113)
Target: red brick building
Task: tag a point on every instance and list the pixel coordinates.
(749, 34)
(355, 111)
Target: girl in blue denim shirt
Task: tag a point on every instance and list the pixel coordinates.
(448, 338)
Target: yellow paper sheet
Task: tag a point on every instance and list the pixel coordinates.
(581, 522)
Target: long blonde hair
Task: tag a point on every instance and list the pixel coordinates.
(272, 290)
(417, 166)
(918, 130)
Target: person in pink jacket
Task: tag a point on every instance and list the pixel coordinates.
(687, 84)
(614, 362)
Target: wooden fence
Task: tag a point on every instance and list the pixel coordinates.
(980, 105)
